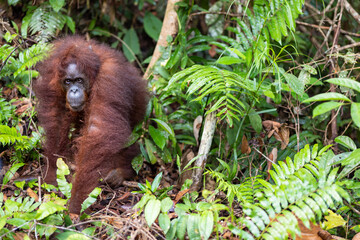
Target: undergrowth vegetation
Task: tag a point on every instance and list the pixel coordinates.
(282, 158)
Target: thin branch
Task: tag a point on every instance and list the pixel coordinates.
(357, 44)
(352, 11)
(327, 28)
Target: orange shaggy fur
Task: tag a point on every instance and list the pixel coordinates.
(116, 103)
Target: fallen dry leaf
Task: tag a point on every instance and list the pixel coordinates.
(280, 131)
(245, 145)
(125, 195)
(273, 157)
(285, 133)
(268, 125)
(32, 194)
(180, 195)
(19, 236)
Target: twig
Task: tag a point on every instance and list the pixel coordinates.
(334, 130)
(326, 28)
(7, 58)
(352, 11)
(348, 46)
(216, 13)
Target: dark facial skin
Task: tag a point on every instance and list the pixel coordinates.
(76, 85)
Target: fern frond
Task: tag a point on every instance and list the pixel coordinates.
(269, 19)
(9, 135)
(31, 56)
(5, 51)
(6, 110)
(304, 188)
(45, 22)
(222, 86)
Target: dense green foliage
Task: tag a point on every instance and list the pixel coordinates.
(276, 162)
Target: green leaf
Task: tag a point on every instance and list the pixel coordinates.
(152, 210)
(57, 4)
(227, 60)
(70, 23)
(61, 172)
(143, 201)
(295, 84)
(346, 142)
(18, 222)
(166, 204)
(206, 224)
(172, 231)
(90, 199)
(13, 2)
(237, 52)
(158, 137)
(325, 107)
(132, 42)
(274, 29)
(47, 209)
(255, 121)
(327, 97)
(150, 149)
(181, 226)
(165, 126)
(164, 222)
(152, 25)
(2, 221)
(192, 227)
(71, 236)
(355, 113)
(9, 174)
(352, 159)
(155, 184)
(304, 76)
(345, 82)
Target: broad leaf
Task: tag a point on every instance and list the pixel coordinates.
(165, 126)
(325, 107)
(150, 149)
(255, 121)
(345, 82)
(192, 227)
(206, 224)
(57, 4)
(166, 204)
(90, 199)
(152, 211)
(152, 25)
(71, 236)
(355, 113)
(228, 60)
(346, 142)
(327, 97)
(47, 209)
(132, 45)
(164, 222)
(61, 172)
(158, 137)
(295, 84)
